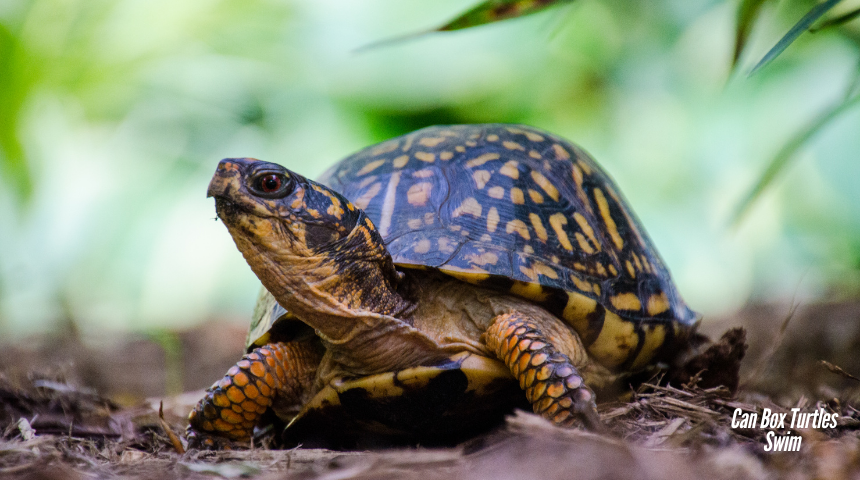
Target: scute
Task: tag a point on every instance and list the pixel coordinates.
(511, 206)
(467, 394)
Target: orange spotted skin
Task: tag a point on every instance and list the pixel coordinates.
(278, 372)
(551, 382)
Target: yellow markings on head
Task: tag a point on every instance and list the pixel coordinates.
(630, 269)
(496, 192)
(596, 289)
(513, 146)
(530, 291)
(366, 197)
(471, 143)
(335, 209)
(540, 230)
(366, 231)
(535, 196)
(657, 304)
(577, 310)
(545, 184)
(400, 161)
(386, 147)
(481, 178)
(460, 148)
(612, 269)
(528, 249)
(415, 223)
(486, 238)
(626, 301)
(517, 196)
(534, 154)
(482, 159)
(582, 284)
(560, 152)
(388, 203)
(425, 157)
(470, 206)
(422, 246)
(454, 228)
(557, 221)
(419, 193)
(370, 167)
(446, 155)
(429, 218)
(423, 173)
(583, 243)
(655, 335)
(518, 226)
(585, 166)
(446, 245)
(586, 229)
(483, 258)
(492, 219)
(492, 137)
(367, 181)
(431, 141)
(350, 206)
(608, 221)
(579, 266)
(408, 144)
(600, 269)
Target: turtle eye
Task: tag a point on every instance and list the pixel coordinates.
(270, 184)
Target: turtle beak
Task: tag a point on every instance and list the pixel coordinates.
(226, 179)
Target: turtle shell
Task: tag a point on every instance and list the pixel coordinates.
(519, 209)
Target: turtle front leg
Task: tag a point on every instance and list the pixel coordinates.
(277, 372)
(552, 383)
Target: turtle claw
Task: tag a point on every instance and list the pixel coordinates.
(200, 440)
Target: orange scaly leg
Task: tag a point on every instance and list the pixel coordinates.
(552, 383)
(233, 405)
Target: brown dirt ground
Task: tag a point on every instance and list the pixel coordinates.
(72, 409)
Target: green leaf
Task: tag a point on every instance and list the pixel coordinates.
(496, 10)
(835, 22)
(487, 12)
(801, 26)
(747, 13)
(786, 153)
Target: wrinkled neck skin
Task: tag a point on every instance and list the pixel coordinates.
(348, 294)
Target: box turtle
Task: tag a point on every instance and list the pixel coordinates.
(427, 285)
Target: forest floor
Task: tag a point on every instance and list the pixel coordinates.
(82, 409)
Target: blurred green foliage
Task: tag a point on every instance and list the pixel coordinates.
(115, 112)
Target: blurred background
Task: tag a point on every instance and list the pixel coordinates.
(114, 113)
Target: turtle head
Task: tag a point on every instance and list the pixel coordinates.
(309, 246)
(275, 206)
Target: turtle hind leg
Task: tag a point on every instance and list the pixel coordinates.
(232, 406)
(552, 383)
